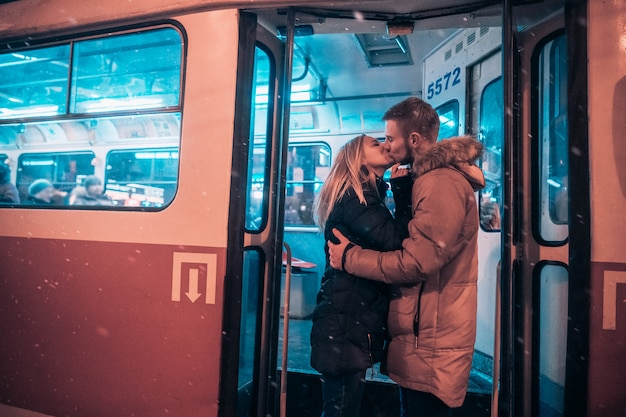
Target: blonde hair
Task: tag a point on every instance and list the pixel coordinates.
(348, 171)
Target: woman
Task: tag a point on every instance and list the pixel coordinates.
(349, 321)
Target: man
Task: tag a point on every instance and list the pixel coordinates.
(432, 314)
(90, 194)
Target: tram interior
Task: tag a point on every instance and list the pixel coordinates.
(346, 74)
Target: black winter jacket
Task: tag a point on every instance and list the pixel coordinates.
(350, 318)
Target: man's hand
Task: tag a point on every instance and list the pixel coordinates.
(336, 251)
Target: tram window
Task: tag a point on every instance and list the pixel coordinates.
(34, 82)
(307, 164)
(263, 91)
(553, 140)
(552, 335)
(307, 168)
(142, 178)
(135, 154)
(133, 71)
(61, 169)
(449, 119)
(491, 135)
(251, 298)
(256, 205)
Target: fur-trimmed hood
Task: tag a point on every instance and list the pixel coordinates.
(459, 153)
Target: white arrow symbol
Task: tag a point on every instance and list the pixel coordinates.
(207, 260)
(193, 293)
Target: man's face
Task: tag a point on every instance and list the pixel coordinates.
(396, 144)
(95, 189)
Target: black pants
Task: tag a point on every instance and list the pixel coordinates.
(343, 394)
(422, 404)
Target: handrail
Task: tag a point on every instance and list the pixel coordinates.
(283, 373)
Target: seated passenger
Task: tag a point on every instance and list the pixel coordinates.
(90, 194)
(8, 191)
(42, 192)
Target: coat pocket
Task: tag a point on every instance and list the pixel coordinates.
(404, 310)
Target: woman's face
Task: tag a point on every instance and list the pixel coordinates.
(375, 157)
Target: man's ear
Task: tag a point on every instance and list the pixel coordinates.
(414, 140)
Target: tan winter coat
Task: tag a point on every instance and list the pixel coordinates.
(432, 314)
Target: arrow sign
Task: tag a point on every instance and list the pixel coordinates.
(208, 260)
(193, 293)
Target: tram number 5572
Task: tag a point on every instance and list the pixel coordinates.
(442, 84)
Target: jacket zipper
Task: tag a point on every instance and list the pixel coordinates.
(369, 352)
(416, 319)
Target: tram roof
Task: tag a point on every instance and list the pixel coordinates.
(21, 18)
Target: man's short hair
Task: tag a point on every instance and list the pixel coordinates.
(414, 115)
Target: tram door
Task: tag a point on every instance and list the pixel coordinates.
(535, 296)
(249, 367)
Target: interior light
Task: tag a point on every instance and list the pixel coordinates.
(553, 183)
(20, 56)
(47, 110)
(43, 162)
(136, 103)
(301, 96)
(261, 95)
(156, 155)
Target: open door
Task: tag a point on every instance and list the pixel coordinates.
(254, 235)
(536, 275)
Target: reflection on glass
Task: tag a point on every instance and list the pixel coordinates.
(552, 334)
(448, 119)
(492, 136)
(34, 82)
(553, 140)
(258, 174)
(142, 178)
(250, 299)
(133, 71)
(134, 153)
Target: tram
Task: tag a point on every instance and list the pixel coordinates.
(212, 126)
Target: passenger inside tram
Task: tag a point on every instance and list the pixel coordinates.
(90, 193)
(8, 191)
(42, 192)
(489, 211)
